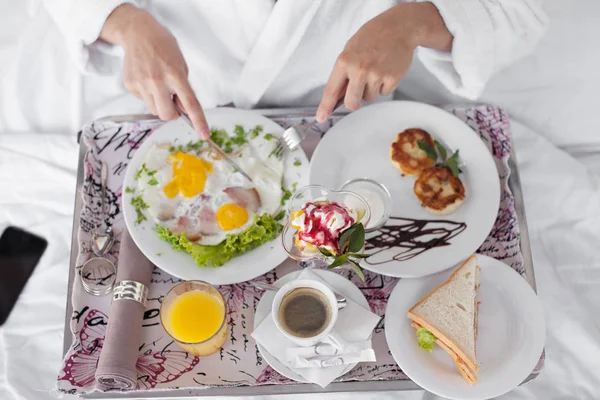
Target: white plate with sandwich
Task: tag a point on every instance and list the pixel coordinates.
(452, 347)
(437, 218)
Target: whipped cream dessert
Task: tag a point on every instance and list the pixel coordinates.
(319, 224)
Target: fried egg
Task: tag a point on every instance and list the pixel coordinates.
(202, 195)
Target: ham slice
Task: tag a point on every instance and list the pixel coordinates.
(208, 222)
(185, 225)
(246, 198)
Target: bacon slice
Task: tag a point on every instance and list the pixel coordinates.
(208, 222)
(185, 225)
(246, 198)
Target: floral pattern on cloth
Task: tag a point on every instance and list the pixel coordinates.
(161, 364)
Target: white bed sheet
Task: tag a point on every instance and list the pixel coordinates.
(41, 93)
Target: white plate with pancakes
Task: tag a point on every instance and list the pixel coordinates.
(510, 334)
(414, 242)
(244, 267)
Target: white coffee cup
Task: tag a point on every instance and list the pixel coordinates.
(312, 284)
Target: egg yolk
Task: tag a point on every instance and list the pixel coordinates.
(189, 175)
(231, 216)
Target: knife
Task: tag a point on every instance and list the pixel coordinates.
(214, 145)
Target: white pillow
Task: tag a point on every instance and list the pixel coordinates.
(555, 91)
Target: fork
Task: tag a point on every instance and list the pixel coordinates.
(293, 136)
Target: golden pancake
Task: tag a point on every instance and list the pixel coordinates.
(439, 191)
(406, 154)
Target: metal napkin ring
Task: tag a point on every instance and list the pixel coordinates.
(130, 290)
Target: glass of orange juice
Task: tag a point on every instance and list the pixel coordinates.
(193, 313)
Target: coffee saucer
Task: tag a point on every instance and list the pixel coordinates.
(337, 282)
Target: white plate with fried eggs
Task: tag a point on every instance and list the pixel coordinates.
(214, 200)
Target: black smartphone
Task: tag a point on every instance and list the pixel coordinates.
(20, 252)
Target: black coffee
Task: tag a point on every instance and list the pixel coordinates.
(304, 312)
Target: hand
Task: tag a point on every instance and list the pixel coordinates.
(378, 56)
(154, 69)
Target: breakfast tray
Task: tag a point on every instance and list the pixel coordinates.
(384, 377)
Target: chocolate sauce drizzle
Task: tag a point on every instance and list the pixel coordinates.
(411, 237)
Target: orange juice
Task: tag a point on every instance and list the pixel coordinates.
(195, 316)
(193, 313)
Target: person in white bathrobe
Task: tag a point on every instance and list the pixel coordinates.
(206, 53)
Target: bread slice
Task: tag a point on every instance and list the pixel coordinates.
(450, 312)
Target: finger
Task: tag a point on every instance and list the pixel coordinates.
(164, 104)
(372, 91)
(355, 92)
(333, 92)
(148, 99)
(388, 86)
(193, 109)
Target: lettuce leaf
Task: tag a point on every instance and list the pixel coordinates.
(264, 229)
(425, 339)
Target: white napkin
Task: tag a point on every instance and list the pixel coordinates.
(332, 351)
(354, 324)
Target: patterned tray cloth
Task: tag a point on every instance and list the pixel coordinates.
(161, 364)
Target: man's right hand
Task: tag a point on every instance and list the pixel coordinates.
(154, 69)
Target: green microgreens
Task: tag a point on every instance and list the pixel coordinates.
(195, 146)
(286, 195)
(129, 190)
(139, 204)
(256, 131)
(280, 215)
(350, 243)
(239, 138)
(144, 169)
(297, 163)
(439, 151)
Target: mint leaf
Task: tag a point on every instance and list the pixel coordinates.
(339, 260)
(441, 150)
(344, 240)
(452, 164)
(357, 269)
(427, 148)
(357, 238)
(358, 255)
(325, 252)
